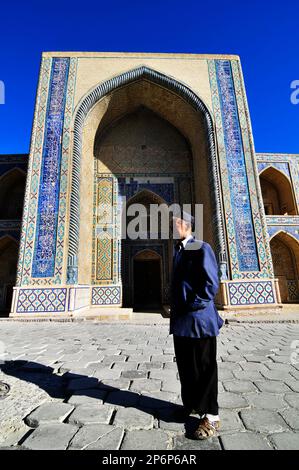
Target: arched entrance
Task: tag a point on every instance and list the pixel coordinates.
(285, 257)
(145, 260)
(8, 268)
(147, 280)
(106, 104)
(277, 193)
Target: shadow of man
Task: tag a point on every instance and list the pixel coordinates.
(70, 384)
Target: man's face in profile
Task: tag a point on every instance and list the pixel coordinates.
(181, 228)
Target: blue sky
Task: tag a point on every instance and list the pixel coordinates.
(264, 33)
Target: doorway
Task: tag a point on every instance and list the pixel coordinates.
(147, 281)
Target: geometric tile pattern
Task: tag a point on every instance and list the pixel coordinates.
(105, 201)
(47, 211)
(106, 295)
(282, 166)
(246, 293)
(130, 186)
(265, 269)
(257, 206)
(292, 230)
(109, 192)
(32, 184)
(41, 300)
(105, 235)
(240, 202)
(293, 291)
(33, 178)
(104, 258)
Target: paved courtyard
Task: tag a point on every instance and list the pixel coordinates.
(93, 385)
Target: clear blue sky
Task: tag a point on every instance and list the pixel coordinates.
(264, 33)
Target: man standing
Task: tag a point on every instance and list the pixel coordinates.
(195, 324)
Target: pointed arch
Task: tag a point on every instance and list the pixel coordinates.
(140, 73)
(147, 253)
(12, 188)
(8, 269)
(285, 257)
(278, 195)
(145, 195)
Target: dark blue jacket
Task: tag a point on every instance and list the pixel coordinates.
(193, 288)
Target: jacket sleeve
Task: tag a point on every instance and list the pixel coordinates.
(205, 281)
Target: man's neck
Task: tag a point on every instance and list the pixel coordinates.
(186, 239)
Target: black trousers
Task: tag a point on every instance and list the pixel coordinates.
(197, 367)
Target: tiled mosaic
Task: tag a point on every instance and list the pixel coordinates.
(106, 295)
(47, 210)
(293, 291)
(24, 273)
(41, 300)
(108, 191)
(229, 76)
(240, 202)
(293, 231)
(250, 293)
(281, 166)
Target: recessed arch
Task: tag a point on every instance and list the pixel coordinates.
(278, 195)
(145, 195)
(285, 256)
(12, 188)
(147, 285)
(146, 253)
(140, 73)
(8, 269)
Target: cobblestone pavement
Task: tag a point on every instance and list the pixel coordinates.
(91, 385)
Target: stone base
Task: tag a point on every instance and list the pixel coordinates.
(72, 300)
(61, 300)
(247, 294)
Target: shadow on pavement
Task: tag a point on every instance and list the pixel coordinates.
(69, 383)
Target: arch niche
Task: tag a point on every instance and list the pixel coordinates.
(285, 257)
(8, 269)
(12, 187)
(277, 193)
(159, 97)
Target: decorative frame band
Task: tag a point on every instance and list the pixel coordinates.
(88, 102)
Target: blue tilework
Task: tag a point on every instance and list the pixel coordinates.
(239, 191)
(48, 203)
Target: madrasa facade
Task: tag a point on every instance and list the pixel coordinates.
(113, 129)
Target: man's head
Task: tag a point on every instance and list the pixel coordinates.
(182, 225)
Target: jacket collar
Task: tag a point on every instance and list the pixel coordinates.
(188, 239)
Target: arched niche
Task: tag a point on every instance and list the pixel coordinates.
(8, 269)
(107, 103)
(12, 188)
(277, 193)
(285, 257)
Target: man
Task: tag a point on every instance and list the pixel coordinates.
(195, 324)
